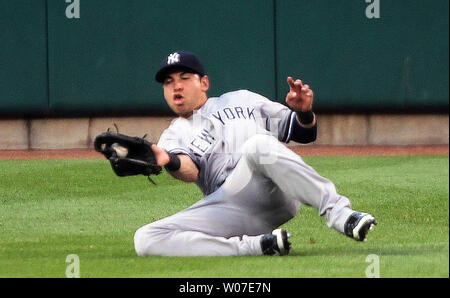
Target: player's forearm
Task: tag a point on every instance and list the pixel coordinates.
(179, 166)
(187, 172)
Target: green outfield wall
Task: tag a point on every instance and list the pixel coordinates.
(98, 57)
(23, 58)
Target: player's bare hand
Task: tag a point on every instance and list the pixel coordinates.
(162, 157)
(300, 97)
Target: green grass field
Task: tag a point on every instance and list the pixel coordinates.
(52, 208)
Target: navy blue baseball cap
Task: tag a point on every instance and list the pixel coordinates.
(179, 60)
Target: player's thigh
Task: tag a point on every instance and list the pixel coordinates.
(256, 209)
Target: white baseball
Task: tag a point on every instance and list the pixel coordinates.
(120, 150)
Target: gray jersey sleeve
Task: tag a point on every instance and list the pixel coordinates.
(173, 139)
(278, 118)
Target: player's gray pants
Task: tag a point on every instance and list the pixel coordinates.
(265, 190)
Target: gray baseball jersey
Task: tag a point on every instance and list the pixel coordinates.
(213, 136)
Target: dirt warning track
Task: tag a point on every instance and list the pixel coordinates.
(302, 150)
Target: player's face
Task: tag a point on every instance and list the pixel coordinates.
(185, 92)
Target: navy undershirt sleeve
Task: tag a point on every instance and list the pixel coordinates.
(300, 134)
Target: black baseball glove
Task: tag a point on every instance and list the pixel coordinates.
(128, 155)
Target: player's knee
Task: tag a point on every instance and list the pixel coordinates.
(260, 147)
(140, 242)
(144, 242)
(257, 143)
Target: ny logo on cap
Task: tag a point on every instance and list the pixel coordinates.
(173, 58)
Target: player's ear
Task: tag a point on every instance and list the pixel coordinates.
(204, 82)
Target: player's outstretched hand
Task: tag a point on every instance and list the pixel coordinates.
(162, 157)
(300, 96)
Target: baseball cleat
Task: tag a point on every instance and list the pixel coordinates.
(276, 243)
(358, 225)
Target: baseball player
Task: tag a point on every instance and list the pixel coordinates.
(232, 147)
